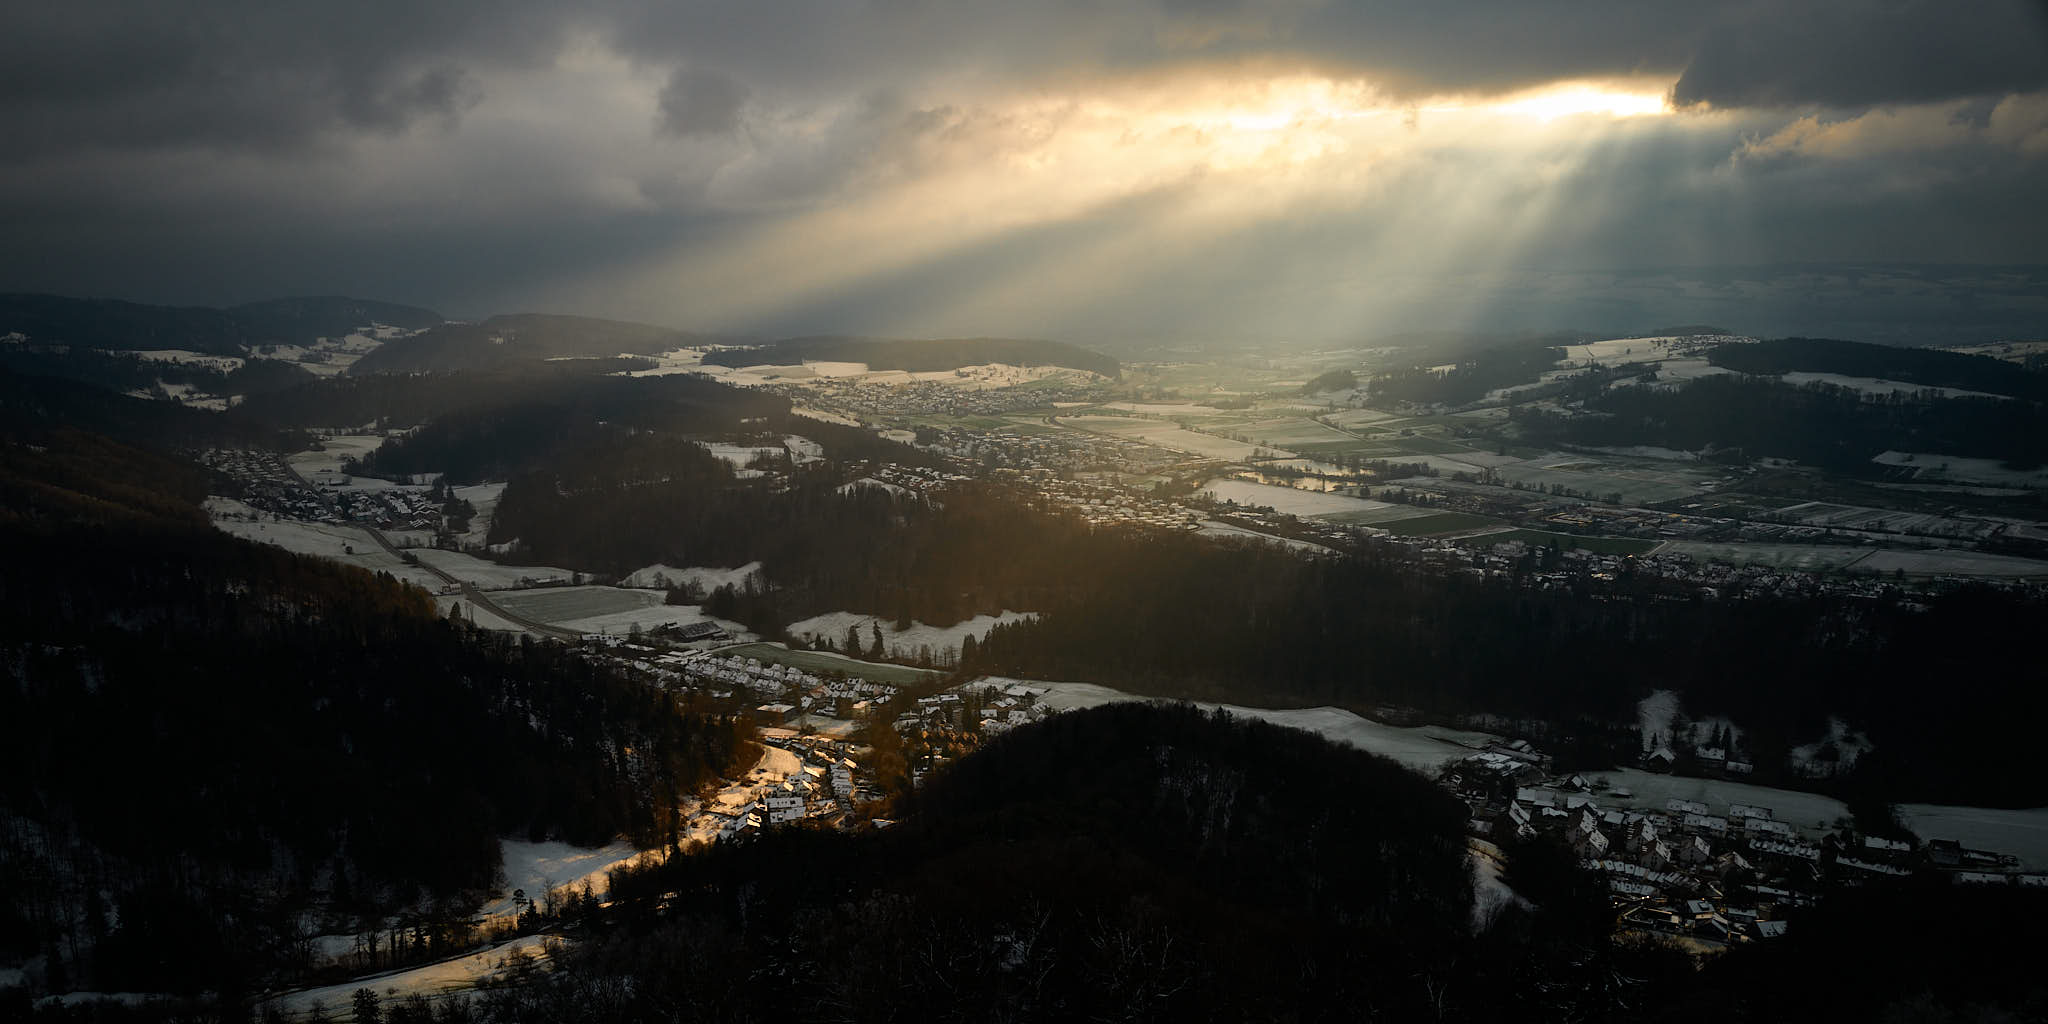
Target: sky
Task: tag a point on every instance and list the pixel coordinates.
(1287, 170)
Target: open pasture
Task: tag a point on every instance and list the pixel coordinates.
(1294, 501)
(1637, 484)
(820, 661)
(566, 604)
(1164, 435)
(1291, 432)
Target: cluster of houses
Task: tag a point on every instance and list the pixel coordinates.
(967, 394)
(1711, 875)
(268, 485)
(826, 785)
(1052, 451)
(794, 690)
(1104, 505)
(393, 508)
(988, 709)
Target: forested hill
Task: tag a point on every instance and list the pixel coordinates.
(504, 341)
(919, 356)
(111, 324)
(32, 405)
(1923, 366)
(1129, 862)
(207, 744)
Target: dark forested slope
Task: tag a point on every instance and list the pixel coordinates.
(202, 737)
(110, 324)
(1926, 367)
(1126, 862)
(502, 341)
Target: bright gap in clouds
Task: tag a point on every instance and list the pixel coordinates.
(1224, 154)
(1583, 98)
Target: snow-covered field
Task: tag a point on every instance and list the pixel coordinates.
(737, 456)
(1955, 563)
(483, 498)
(824, 416)
(1164, 408)
(595, 609)
(2022, 833)
(1291, 501)
(333, 451)
(346, 544)
(437, 979)
(1649, 791)
(905, 642)
(1933, 468)
(1291, 431)
(867, 481)
(219, 507)
(1862, 517)
(1166, 435)
(1880, 386)
(485, 575)
(1636, 483)
(1839, 556)
(539, 868)
(1424, 749)
(704, 578)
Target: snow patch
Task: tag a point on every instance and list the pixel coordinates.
(703, 578)
(902, 643)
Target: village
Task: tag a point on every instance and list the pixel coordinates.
(821, 718)
(1701, 873)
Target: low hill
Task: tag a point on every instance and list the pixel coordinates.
(112, 324)
(299, 320)
(918, 356)
(1131, 861)
(502, 341)
(1335, 380)
(32, 405)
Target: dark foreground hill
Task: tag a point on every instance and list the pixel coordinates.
(209, 746)
(1126, 862)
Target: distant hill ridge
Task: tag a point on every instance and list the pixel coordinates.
(1927, 367)
(117, 325)
(524, 337)
(918, 355)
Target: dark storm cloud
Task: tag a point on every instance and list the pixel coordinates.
(252, 73)
(699, 102)
(1862, 54)
(262, 74)
(480, 154)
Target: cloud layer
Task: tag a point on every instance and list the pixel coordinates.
(1267, 167)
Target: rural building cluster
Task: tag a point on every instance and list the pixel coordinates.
(1709, 875)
